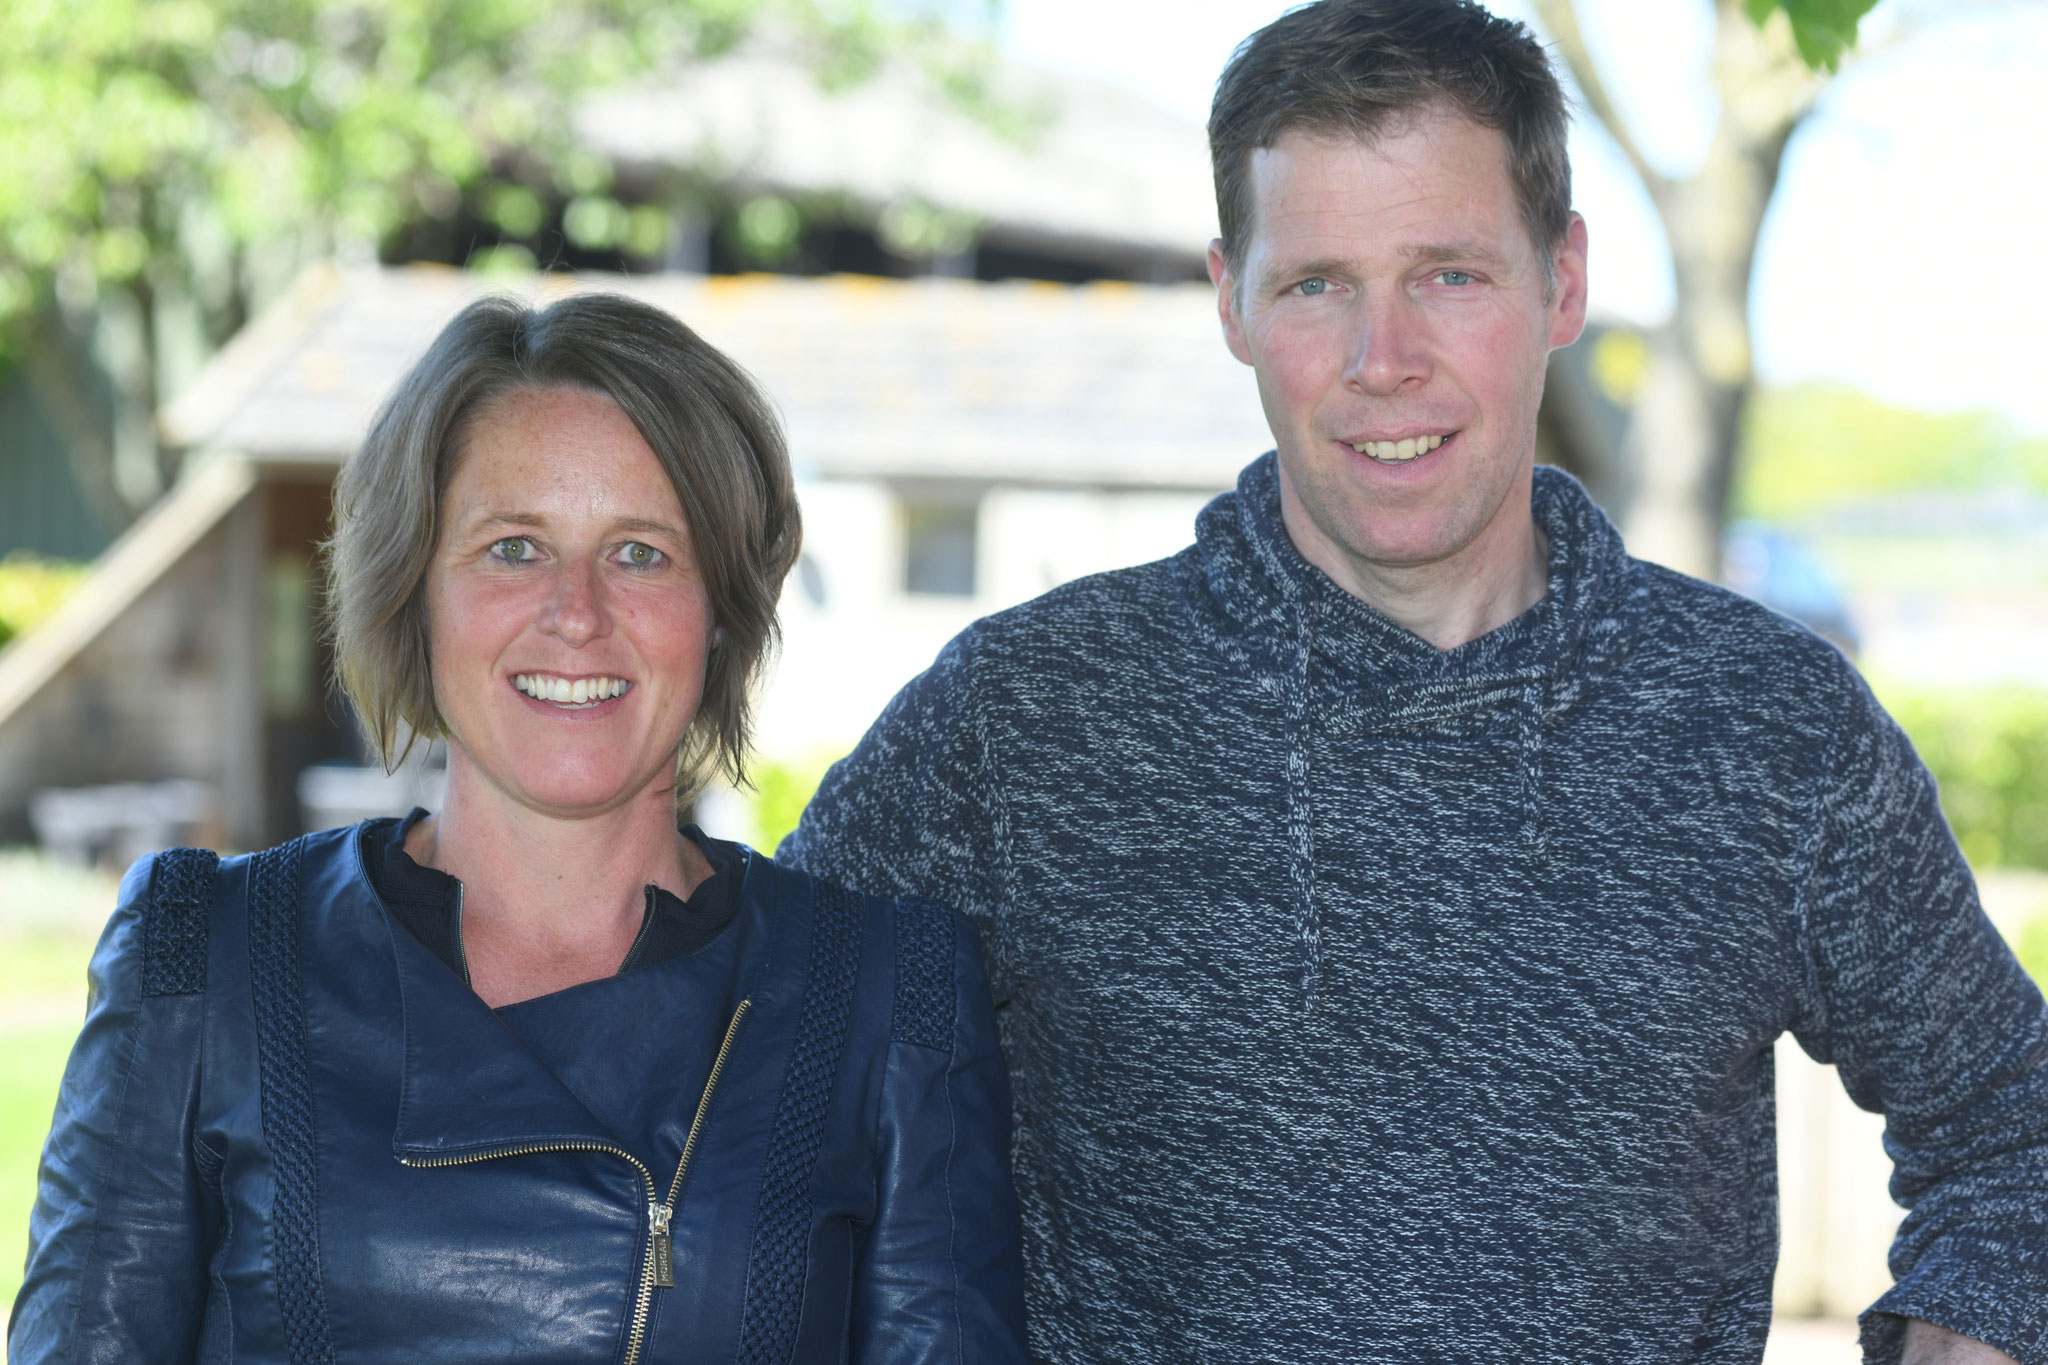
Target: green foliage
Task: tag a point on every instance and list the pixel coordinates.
(31, 588)
(2032, 949)
(1813, 446)
(1823, 29)
(781, 791)
(1989, 751)
(147, 144)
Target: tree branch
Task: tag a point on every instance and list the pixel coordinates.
(1561, 18)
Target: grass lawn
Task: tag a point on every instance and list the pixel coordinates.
(31, 1064)
(42, 1001)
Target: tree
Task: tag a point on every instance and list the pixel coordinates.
(1680, 451)
(166, 165)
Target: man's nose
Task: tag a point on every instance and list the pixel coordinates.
(576, 612)
(1392, 351)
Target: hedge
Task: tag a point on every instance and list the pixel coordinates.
(1988, 748)
(32, 587)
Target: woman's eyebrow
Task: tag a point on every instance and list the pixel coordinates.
(497, 519)
(642, 524)
(509, 519)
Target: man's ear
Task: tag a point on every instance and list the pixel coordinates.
(1568, 297)
(1226, 302)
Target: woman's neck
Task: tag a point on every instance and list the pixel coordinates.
(550, 902)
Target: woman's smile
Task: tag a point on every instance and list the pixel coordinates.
(582, 694)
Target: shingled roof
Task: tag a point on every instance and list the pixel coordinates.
(1102, 385)
(1074, 160)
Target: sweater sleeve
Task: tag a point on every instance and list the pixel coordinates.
(915, 809)
(1930, 1020)
(123, 1220)
(941, 1275)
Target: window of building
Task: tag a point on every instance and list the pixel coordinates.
(939, 547)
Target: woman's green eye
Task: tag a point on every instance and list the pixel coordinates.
(513, 548)
(641, 556)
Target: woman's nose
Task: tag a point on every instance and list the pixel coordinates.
(576, 612)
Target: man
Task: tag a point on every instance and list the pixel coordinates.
(1392, 899)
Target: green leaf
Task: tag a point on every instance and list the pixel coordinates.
(1822, 29)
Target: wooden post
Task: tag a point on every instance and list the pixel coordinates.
(242, 804)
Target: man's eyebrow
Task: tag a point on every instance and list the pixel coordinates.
(1321, 265)
(1433, 252)
(1421, 253)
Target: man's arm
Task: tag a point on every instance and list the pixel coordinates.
(915, 809)
(1930, 1021)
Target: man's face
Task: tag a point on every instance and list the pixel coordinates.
(1394, 308)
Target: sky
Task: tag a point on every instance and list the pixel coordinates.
(1906, 251)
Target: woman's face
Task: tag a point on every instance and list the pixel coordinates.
(567, 622)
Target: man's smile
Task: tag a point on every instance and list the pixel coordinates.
(1402, 450)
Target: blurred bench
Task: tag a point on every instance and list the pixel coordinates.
(115, 824)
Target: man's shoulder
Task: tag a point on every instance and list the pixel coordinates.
(1100, 610)
(1719, 639)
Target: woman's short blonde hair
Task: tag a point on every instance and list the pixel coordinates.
(717, 438)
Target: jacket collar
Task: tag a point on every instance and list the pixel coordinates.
(470, 1085)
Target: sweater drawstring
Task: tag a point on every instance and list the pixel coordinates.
(1308, 929)
(1533, 834)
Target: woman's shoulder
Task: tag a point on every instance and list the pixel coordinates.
(927, 950)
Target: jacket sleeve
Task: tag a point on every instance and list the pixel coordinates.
(941, 1275)
(122, 1224)
(1929, 1020)
(915, 809)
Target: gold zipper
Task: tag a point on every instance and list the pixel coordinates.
(657, 1267)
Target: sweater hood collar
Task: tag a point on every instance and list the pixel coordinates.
(1252, 592)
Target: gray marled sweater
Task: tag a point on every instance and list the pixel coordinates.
(1371, 1003)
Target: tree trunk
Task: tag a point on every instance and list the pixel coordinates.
(1684, 428)
(58, 370)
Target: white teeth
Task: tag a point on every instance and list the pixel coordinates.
(1398, 452)
(582, 692)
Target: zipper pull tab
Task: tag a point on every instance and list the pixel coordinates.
(664, 1249)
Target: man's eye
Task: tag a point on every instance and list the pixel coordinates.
(640, 556)
(1454, 277)
(513, 549)
(1311, 288)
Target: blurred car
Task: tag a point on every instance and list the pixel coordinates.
(1775, 567)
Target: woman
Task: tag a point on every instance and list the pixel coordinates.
(536, 1077)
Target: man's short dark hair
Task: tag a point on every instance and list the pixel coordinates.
(1359, 66)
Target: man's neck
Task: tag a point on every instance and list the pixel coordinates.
(1448, 602)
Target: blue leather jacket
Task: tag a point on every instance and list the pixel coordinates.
(289, 1133)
